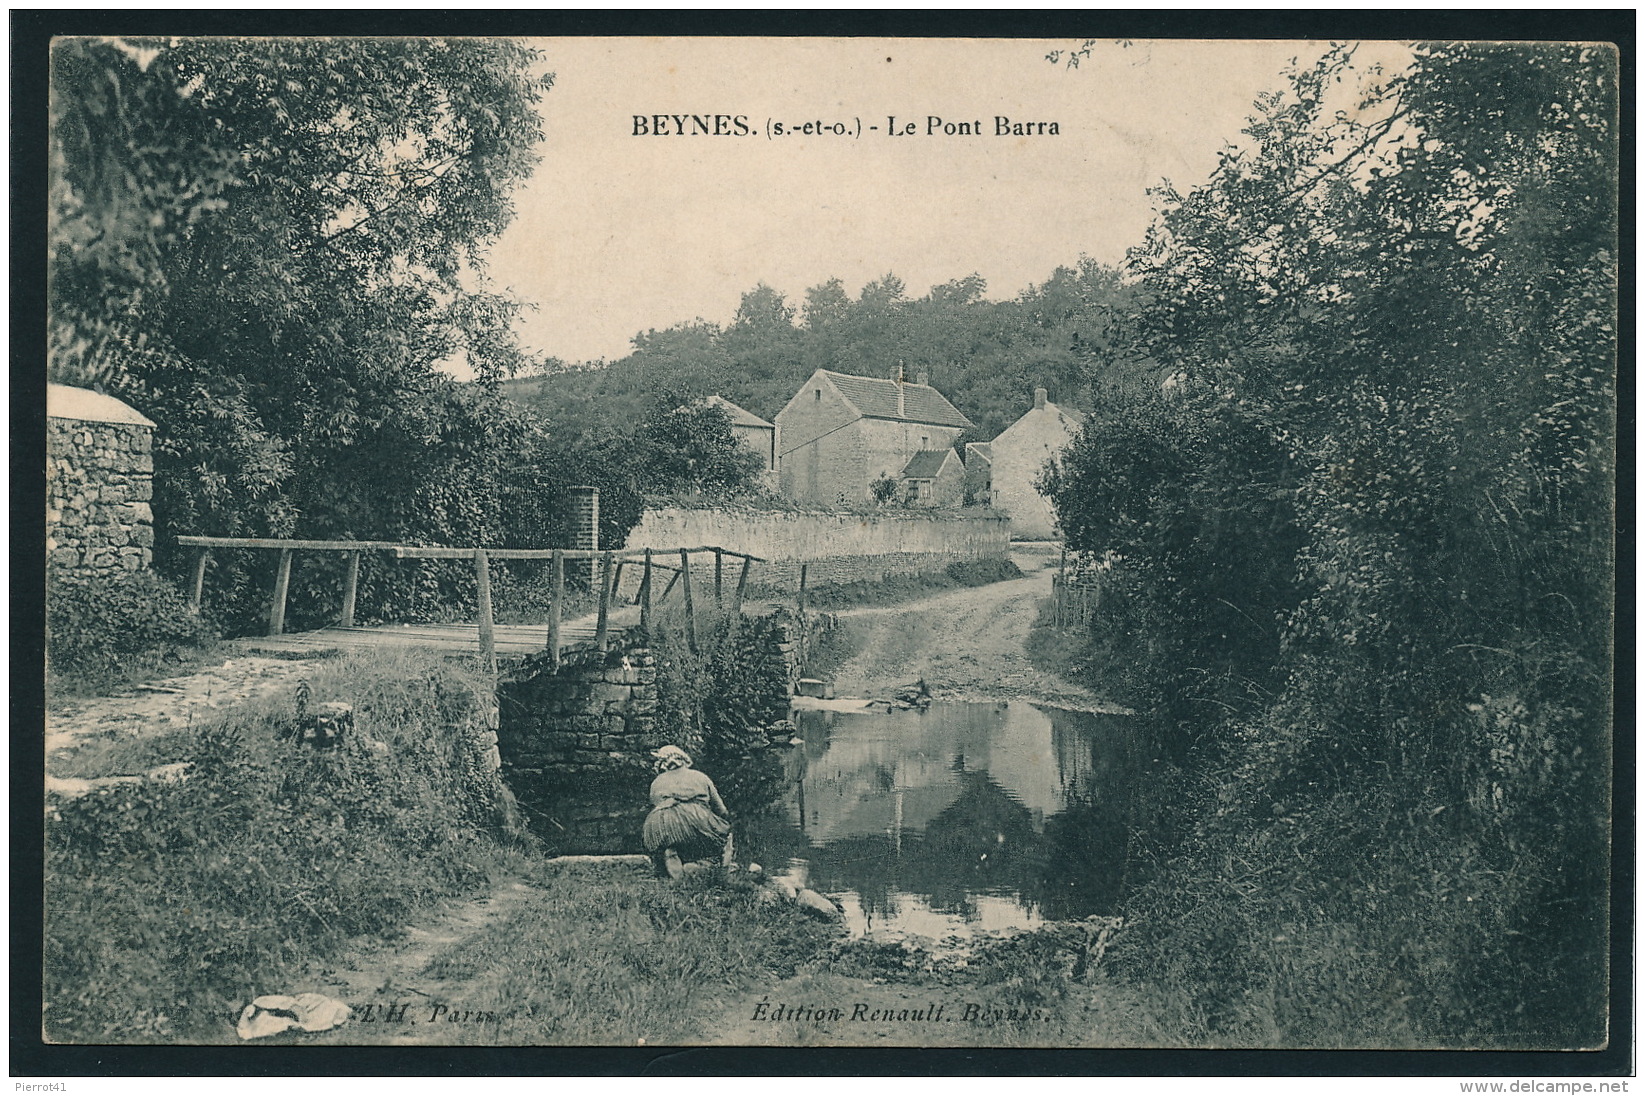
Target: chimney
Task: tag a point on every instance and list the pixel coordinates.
(585, 532)
(1039, 398)
(901, 401)
(922, 377)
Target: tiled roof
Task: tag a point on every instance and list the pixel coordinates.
(877, 399)
(1077, 417)
(925, 464)
(980, 449)
(739, 416)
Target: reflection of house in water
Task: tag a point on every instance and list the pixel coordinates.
(919, 756)
(962, 815)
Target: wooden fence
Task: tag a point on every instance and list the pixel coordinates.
(608, 578)
(1074, 602)
(1076, 589)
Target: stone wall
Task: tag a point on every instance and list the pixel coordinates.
(594, 716)
(575, 746)
(836, 547)
(99, 483)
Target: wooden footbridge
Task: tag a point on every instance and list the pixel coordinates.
(485, 637)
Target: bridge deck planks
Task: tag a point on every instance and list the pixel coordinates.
(512, 640)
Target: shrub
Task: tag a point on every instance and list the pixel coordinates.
(95, 628)
(980, 572)
(720, 699)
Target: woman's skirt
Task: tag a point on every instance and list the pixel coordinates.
(691, 829)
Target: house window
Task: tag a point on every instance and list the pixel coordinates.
(817, 394)
(914, 490)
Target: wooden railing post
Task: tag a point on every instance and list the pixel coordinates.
(488, 638)
(282, 583)
(602, 622)
(719, 581)
(1059, 587)
(617, 582)
(556, 594)
(351, 586)
(803, 630)
(742, 587)
(690, 614)
(197, 593)
(645, 595)
(669, 589)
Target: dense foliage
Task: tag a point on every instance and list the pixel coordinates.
(100, 628)
(718, 695)
(271, 246)
(1363, 521)
(986, 356)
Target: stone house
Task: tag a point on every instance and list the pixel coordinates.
(99, 483)
(933, 477)
(759, 436)
(979, 473)
(840, 433)
(1017, 457)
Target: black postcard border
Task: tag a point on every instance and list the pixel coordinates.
(31, 31)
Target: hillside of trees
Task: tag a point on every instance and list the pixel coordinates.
(986, 356)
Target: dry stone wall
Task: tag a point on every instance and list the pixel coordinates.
(575, 746)
(835, 547)
(99, 484)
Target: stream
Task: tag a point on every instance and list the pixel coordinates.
(958, 818)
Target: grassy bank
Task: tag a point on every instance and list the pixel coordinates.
(173, 903)
(170, 903)
(895, 589)
(602, 955)
(1332, 914)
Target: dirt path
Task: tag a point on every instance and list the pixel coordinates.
(398, 991)
(170, 702)
(966, 644)
(153, 708)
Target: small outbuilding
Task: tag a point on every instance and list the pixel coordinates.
(933, 477)
(757, 435)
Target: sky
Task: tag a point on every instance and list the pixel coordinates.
(618, 233)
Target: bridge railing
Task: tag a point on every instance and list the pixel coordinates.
(609, 570)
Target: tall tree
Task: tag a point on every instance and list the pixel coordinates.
(271, 246)
(1362, 509)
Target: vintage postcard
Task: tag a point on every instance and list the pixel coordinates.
(842, 542)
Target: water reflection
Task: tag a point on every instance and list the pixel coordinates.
(964, 816)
